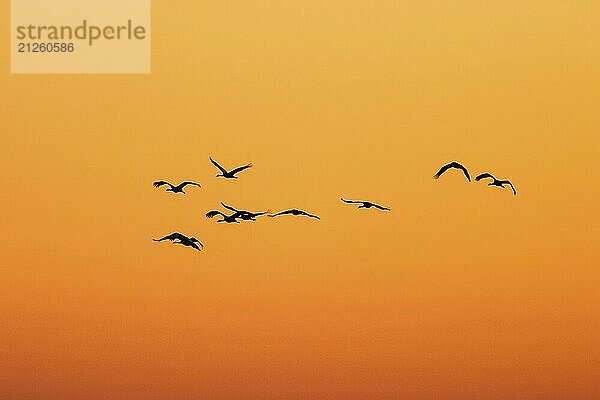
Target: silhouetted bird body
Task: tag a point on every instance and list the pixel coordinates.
(455, 165)
(365, 204)
(496, 182)
(178, 238)
(295, 212)
(230, 219)
(229, 174)
(243, 214)
(173, 188)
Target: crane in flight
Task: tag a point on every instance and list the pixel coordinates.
(178, 238)
(229, 174)
(454, 165)
(173, 188)
(365, 204)
(496, 182)
(294, 212)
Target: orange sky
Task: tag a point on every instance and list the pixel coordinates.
(462, 292)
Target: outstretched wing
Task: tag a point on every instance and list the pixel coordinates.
(441, 171)
(464, 170)
(513, 188)
(161, 183)
(483, 176)
(213, 213)
(510, 184)
(351, 201)
(310, 215)
(381, 207)
(172, 236)
(223, 170)
(229, 207)
(194, 245)
(239, 169)
(184, 184)
(453, 164)
(281, 213)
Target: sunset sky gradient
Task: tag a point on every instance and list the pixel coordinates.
(461, 292)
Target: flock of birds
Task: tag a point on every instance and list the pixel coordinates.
(495, 182)
(236, 215)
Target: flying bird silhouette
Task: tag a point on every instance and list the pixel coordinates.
(496, 182)
(453, 164)
(229, 174)
(295, 212)
(173, 188)
(365, 204)
(230, 219)
(243, 214)
(178, 238)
